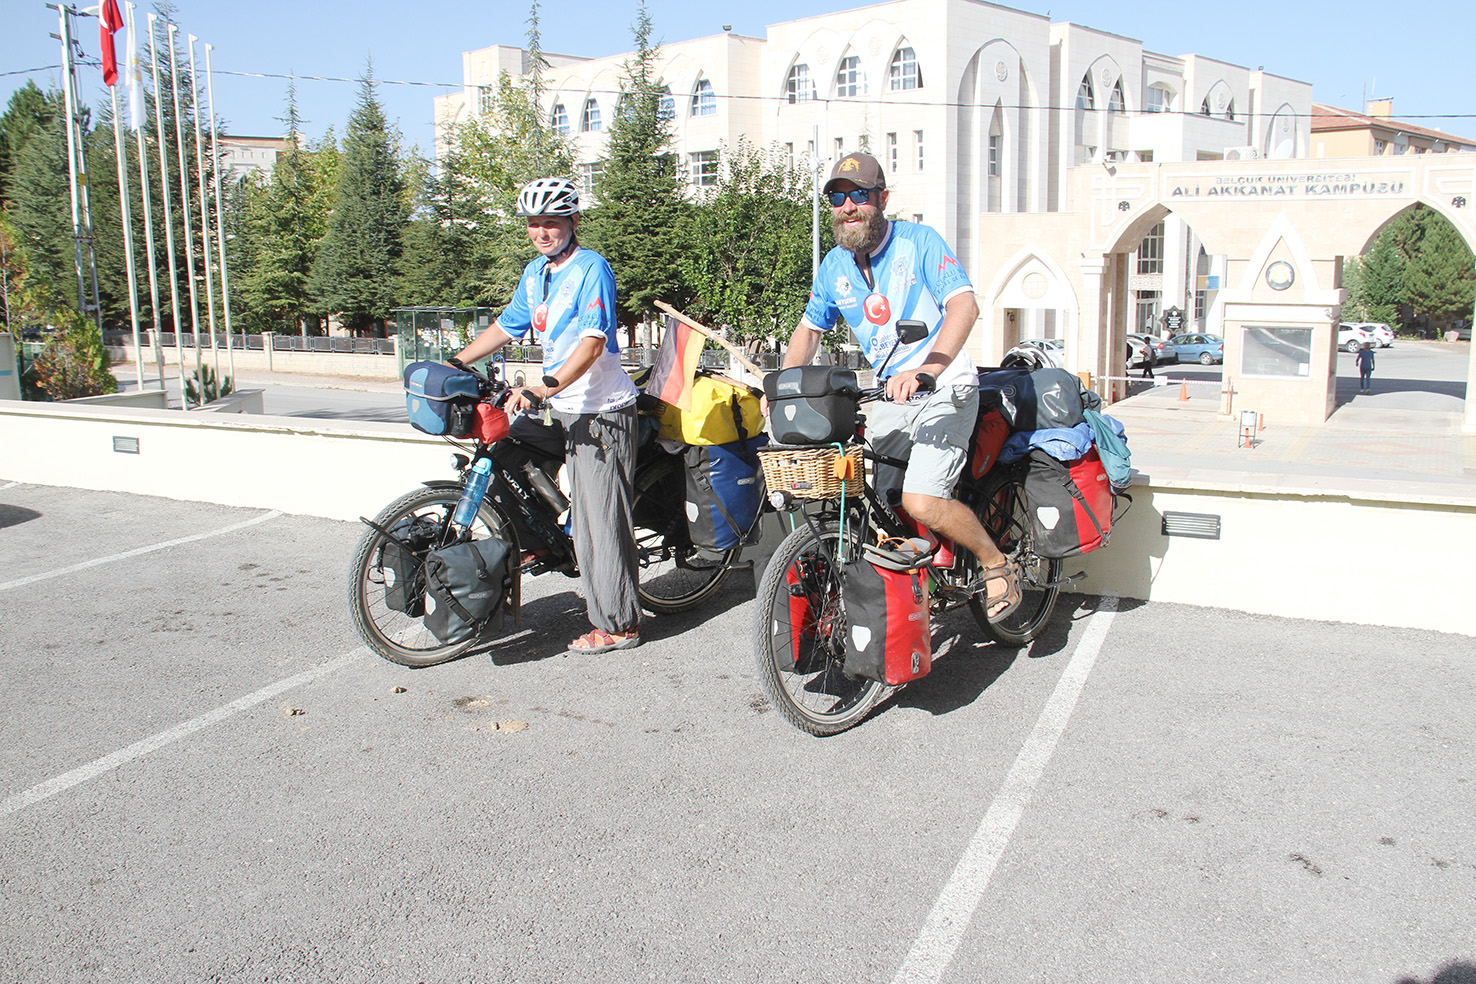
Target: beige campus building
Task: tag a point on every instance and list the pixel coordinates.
(1090, 187)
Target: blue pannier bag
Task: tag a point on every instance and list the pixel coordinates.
(440, 399)
(724, 491)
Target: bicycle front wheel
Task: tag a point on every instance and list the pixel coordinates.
(799, 635)
(390, 617)
(1003, 511)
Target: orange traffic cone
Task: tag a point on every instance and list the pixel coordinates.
(1183, 391)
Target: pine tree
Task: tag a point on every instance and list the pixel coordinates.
(1438, 278)
(28, 111)
(283, 221)
(40, 210)
(1382, 280)
(354, 272)
(639, 224)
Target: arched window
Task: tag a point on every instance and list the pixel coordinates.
(1204, 107)
(704, 102)
(904, 73)
(558, 120)
(589, 121)
(1230, 110)
(850, 82)
(798, 87)
(1115, 101)
(1086, 97)
(666, 105)
(1160, 99)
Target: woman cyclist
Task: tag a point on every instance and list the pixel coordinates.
(566, 298)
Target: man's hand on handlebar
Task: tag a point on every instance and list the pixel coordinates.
(904, 385)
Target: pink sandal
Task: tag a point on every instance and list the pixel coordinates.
(600, 641)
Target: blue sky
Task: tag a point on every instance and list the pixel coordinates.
(1418, 52)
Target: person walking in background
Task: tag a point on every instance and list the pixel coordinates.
(1365, 360)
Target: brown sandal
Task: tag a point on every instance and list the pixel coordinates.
(1011, 598)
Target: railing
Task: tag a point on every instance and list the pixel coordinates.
(336, 344)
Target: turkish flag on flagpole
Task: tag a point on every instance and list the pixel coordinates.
(110, 20)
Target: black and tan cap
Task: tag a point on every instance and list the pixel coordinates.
(862, 170)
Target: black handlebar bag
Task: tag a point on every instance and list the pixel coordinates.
(812, 404)
(465, 585)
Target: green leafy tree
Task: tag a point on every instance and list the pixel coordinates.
(354, 272)
(75, 364)
(1439, 280)
(749, 258)
(494, 157)
(639, 224)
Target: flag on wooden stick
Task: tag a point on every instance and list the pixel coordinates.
(676, 364)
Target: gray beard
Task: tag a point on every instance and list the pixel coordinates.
(862, 240)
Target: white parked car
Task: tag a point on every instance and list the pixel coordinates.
(1352, 337)
(1382, 333)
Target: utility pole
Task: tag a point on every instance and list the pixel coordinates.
(77, 172)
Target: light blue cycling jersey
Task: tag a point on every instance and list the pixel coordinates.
(560, 307)
(915, 275)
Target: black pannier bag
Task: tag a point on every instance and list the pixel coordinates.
(1035, 399)
(401, 563)
(440, 399)
(724, 491)
(1070, 504)
(464, 587)
(812, 404)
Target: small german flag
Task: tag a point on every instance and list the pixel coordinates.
(676, 364)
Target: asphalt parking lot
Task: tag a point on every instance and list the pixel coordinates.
(206, 778)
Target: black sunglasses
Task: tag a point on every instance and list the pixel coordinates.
(858, 195)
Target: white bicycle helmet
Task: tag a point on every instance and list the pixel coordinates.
(548, 196)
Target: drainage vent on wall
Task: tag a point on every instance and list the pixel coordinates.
(125, 445)
(1203, 526)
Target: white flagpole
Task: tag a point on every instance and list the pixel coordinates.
(125, 212)
(225, 280)
(184, 205)
(204, 209)
(135, 122)
(168, 216)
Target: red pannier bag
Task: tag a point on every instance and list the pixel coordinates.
(1070, 504)
(889, 636)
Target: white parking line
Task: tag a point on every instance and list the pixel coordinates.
(8, 485)
(139, 749)
(22, 582)
(941, 934)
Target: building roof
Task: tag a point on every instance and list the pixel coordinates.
(1333, 118)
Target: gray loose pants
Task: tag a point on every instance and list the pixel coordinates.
(601, 451)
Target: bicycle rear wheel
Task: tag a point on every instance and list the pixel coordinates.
(1003, 511)
(672, 576)
(398, 635)
(799, 636)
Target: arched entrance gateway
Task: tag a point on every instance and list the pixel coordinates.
(1282, 228)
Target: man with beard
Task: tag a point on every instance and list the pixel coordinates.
(881, 272)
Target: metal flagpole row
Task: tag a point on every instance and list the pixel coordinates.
(108, 14)
(135, 123)
(225, 282)
(184, 202)
(204, 213)
(168, 212)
